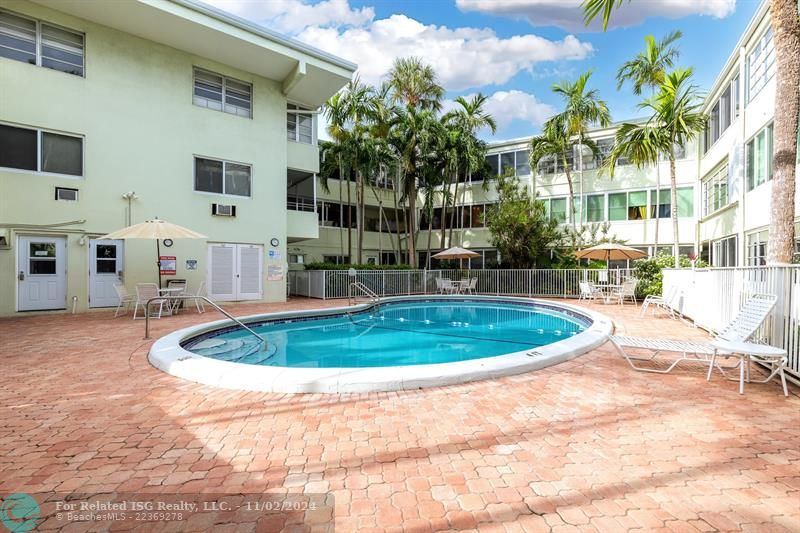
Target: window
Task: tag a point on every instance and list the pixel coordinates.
(220, 93)
(685, 201)
(715, 191)
(660, 203)
(523, 168)
(507, 163)
(492, 161)
(723, 252)
(759, 152)
(221, 177)
(618, 206)
(336, 259)
(297, 259)
(41, 44)
(760, 65)
(556, 208)
(42, 258)
(757, 248)
(299, 125)
(637, 205)
(724, 112)
(595, 208)
(40, 151)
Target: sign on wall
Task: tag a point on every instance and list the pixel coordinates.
(168, 264)
(191, 264)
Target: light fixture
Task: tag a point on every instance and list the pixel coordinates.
(82, 240)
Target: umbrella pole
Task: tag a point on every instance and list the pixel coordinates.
(158, 262)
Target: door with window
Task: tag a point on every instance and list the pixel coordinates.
(42, 273)
(235, 271)
(105, 271)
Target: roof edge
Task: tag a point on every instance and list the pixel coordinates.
(261, 31)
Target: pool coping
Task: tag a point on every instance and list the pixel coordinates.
(168, 355)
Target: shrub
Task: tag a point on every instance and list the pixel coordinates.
(334, 266)
(649, 272)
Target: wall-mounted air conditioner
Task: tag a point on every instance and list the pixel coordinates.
(222, 210)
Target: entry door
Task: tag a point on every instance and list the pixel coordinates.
(105, 271)
(235, 271)
(42, 273)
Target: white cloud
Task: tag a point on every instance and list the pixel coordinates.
(567, 14)
(462, 57)
(293, 16)
(509, 106)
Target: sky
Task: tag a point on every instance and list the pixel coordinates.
(511, 50)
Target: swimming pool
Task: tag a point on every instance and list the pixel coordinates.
(402, 343)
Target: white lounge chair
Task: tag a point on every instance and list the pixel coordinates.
(667, 302)
(746, 322)
(145, 292)
(125, 298)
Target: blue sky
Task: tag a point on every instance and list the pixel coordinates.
(511, 50)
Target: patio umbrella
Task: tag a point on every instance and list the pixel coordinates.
(610, 251)
(156, 230)
(456, 252)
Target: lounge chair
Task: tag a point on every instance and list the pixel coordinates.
(665, 302)
(746, 322)
(125, 299)
(145, 292)
(200, 304)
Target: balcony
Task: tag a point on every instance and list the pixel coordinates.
(301, 206)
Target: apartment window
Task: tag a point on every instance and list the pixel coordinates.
(523, 168)
(660, 203)
(336, 259)
(723, 252)
(493, 164)
(300, 124)
(221, 177)
(715, 191)
(41, 44)
(40, 151)
(760, 65)
(556, 209)
(546, 165)
(507, 163)
(595, 205)
(297, 259)
(618, 206)
(723, 113)
(221, 93)
(759, 152)
(757, 248)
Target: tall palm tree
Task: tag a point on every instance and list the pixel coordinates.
(414, 83)
(583, 109)
(335, 111)
(786, 38)
(648, 70)
(676, 119)
(468, 153)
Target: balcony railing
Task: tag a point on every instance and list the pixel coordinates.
(301, 203)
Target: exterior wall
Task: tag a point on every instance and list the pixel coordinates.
(134, 109)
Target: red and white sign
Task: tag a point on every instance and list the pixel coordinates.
(168, 265)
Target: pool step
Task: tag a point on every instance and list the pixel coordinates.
(234, 349)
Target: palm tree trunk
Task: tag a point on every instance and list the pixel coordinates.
(341, 209)
(445, 203)
(360, 214)
(411, 229)
(674, 209)
(386, 219)
(349, 223)
(786, 36)
(453, 213)
(430, 231)
(571, 206)
(658, 204)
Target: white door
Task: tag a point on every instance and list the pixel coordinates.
(42, 273)
(105, 271)
(235, 271)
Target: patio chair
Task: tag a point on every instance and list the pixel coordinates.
(746, 322)
(125, 298)
(627, 290)
(587, 291)
(144, 292)
(440, 285)
(661, 302)
(201, 292)
(471, 286)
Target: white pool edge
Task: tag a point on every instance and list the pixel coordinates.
(167, 355)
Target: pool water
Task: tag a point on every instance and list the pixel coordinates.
(394, 334)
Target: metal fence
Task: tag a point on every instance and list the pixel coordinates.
(711, 297)
(562, 283)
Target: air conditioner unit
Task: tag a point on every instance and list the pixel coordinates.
(222, 210)
(66, 194)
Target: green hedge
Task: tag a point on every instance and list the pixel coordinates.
(334, 266)
(651, 279)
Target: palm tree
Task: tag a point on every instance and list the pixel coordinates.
(786, 39)
(676, 119)
(562, 133)
(467, 152)
(415, 84)
(335, 111)
(647, 70)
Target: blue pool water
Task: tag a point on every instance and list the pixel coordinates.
(394, 334)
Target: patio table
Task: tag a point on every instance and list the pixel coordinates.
(607, 289)
(775, 358)
(168, 293)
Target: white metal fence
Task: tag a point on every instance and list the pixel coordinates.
(711, 297)
(562, 283)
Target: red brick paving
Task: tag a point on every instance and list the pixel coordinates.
(588, 445)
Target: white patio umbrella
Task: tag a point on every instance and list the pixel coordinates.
(456, 252)
(157, 230)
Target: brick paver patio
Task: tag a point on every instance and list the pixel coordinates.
(588, 445)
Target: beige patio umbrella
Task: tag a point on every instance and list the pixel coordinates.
(157, 230)
(610, 251)
(456, 252)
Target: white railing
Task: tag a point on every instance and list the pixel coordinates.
(711, 297)
(559, 283)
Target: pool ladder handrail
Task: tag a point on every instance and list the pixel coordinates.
(359, 286)
(261, 340)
